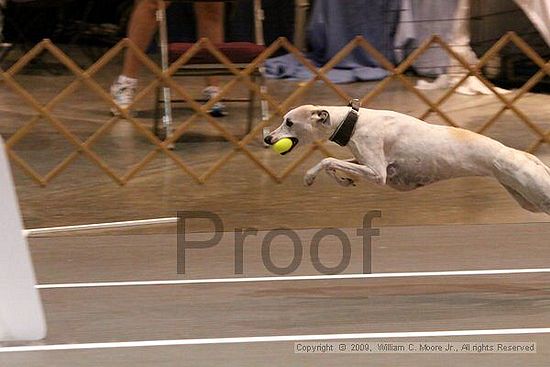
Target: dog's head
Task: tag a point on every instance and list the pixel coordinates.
(303, 124)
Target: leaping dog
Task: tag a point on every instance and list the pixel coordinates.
(405, 153)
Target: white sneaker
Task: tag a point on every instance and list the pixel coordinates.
(218, 109)
(123, 91)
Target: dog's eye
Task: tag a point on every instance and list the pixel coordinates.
(289, 123)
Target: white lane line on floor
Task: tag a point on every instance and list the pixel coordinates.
(295, 278)
(84, 227)
(281, 338)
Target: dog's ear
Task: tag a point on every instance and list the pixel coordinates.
(320, 117)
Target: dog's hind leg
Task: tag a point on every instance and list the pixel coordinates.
(524, 203)
(525, 175)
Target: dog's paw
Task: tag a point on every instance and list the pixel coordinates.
(345, 181)
(342, 181)
(308, 179)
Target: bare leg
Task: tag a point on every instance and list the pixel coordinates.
(210, 23)
(141, 29)
(143, 25)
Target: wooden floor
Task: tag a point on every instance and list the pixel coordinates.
(126, 312)
(463, 224)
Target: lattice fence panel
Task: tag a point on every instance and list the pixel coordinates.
(279, 107)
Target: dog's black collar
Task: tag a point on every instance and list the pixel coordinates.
(344, 131)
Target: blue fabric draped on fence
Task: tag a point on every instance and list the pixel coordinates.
(332, 25)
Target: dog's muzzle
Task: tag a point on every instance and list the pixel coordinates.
(269, 141)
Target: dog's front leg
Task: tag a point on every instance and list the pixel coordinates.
(350, 167)
(343, 181)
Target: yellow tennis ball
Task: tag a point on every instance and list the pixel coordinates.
(282, 145)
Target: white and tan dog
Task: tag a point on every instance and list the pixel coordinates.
(405, 153)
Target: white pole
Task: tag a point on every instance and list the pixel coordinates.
(21, 314)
